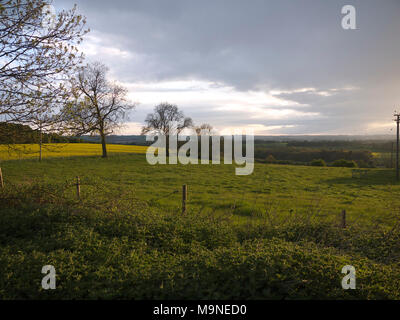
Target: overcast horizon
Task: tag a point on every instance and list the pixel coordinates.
(286, 68)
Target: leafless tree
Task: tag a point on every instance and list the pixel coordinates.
(204, 128)
(167, 120)
(35, 57)
(47, 122)
(98, 106)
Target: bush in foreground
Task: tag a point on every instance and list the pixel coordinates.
(129, 251)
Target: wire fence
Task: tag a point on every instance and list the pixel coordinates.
(96, 193)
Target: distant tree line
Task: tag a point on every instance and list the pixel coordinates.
(296, 155)
(369, 145)
(14, 133)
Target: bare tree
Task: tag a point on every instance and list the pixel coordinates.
(166, 120)
(45, 122)
(204, 128)
(98, 106)
(35, 57)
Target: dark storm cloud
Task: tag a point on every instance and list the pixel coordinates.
(262, 45)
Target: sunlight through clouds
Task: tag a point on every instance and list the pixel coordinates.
(226, 73)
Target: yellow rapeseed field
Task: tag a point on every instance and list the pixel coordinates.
(31, 151)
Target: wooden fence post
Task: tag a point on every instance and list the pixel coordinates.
(1, 179)
(184, 198)
(78, 187)
(343, 224)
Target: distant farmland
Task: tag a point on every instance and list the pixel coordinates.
(30, 151)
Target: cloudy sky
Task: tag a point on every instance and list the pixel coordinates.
(279, 67)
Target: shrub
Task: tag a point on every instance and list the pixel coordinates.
(318, 163)
(270, 159)
(345, 163)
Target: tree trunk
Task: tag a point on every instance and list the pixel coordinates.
(167, 146)
(40, 144)
(103, 143)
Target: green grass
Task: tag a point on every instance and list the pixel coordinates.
(271, 235)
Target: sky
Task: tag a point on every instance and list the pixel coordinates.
(282, 67)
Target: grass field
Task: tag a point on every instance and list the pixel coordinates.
(272, 235)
